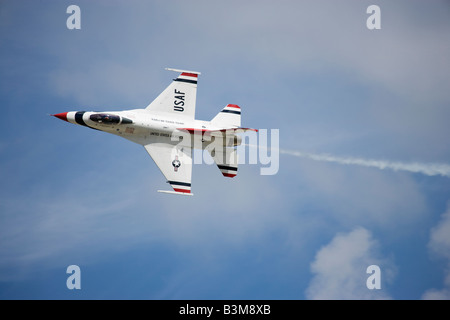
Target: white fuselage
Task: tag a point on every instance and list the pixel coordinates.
(140, 126)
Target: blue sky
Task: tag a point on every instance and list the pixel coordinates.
(311, 69)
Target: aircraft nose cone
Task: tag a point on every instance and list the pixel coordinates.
(62, 116)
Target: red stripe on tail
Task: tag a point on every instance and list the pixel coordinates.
(182, 190)
(189, 74)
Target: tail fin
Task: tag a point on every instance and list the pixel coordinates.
(229, 117)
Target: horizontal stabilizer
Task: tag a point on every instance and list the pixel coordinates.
(227, 161)
(175, 192)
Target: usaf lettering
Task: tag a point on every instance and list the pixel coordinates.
(178, 103)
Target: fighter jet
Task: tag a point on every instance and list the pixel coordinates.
(169, 132)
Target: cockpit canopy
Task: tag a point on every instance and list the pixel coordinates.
(105, 118)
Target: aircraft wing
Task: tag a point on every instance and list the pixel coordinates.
(179, 98)
(175, 163)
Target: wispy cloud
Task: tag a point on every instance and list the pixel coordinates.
(429, 169)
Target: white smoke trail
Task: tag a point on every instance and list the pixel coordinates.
(429, 169)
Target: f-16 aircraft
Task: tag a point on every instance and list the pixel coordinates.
(168, 131)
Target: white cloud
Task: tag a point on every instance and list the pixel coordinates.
(340, 268)
(308, 35)
(440, 236)
(440, 245)
(265, 46)
(436, 294)
(97, 215)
